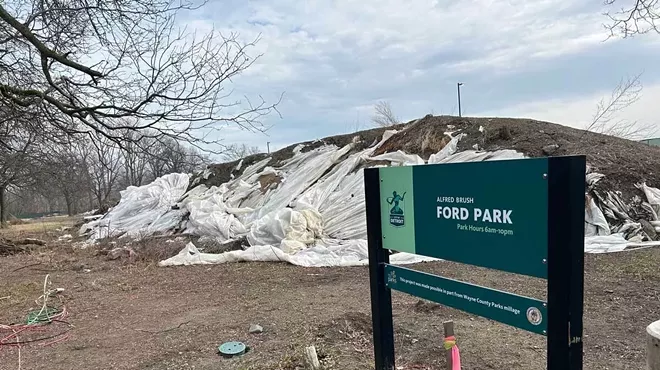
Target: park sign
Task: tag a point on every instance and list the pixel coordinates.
(521, 216)
(490, 214)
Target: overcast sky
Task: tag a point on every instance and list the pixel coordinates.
(547, 60)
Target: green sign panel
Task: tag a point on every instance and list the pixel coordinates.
(492, 214)
(522, 312)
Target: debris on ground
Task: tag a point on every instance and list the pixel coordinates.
(311, 358)
(30, 241)
(9, 247)
(255, 329)
(121, 252)
(65, 238)
(305, 204)
(44, 326)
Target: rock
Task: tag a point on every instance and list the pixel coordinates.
(550, 149)
(256, 329)
(121, 252)
(115, 254)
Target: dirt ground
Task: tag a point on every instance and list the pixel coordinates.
(131, 314)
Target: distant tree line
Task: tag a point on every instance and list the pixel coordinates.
(82, 175)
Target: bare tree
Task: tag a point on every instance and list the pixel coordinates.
(235, 152)
(605, 120)
(169, 156)
(103, 161)
(135, 162)
(16, 160)
(383, 115)
(638, 17)
(110, 66)
(66, 167)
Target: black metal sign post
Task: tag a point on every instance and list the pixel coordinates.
(566, 193)
(381, 296)
(565, 266)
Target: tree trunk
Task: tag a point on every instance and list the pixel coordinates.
(99, 200)
(69, 203)
(3, 208)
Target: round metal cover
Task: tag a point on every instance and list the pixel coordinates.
(232, 348)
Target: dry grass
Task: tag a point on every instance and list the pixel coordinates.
(38, 228)
(640, 265)
(12, 295)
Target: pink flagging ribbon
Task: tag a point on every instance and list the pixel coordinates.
(450, 344)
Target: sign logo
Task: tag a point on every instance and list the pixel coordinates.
(534, 316)
(398, 207)
(391, 278)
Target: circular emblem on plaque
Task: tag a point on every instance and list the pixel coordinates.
(534, 316)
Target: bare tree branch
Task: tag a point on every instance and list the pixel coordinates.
(383, 115)
(627, 92)
(109, 67)
(235, 152)
(639, 17)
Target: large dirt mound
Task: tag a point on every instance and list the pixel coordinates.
(313, 193)
(623, 162)
(223, 172)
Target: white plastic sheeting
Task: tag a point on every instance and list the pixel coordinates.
(302, 170)
(477, 156)
(605, 244)
(614, 243)
(210, 216)
(399, 158)
(344, 253)
(652, 196)
(448, 150)
(310, 210)
(293, 229)
(142, 210)
(595, 223)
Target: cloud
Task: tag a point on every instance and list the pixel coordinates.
(334, 60)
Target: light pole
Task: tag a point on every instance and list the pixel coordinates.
(458, 87)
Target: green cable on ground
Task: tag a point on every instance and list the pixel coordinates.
(41, 316)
